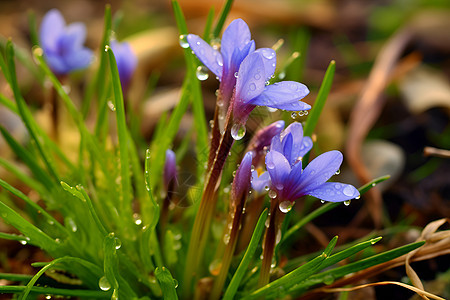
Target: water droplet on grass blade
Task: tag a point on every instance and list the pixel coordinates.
(111, 105)
(238, 131)
(202, 73)
(104, 284)
(118, 243)
(183, 41)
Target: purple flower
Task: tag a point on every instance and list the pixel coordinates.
(170, 169)
(290, 181)
(63, 45)
(262, 139)
(238, 58)
(241, 182)
(126, 61)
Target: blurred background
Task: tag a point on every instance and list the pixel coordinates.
(390, 99)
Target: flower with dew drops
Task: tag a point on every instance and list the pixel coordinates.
(262, 139)
(63, 45)
(170, 169)
(126, 61)
(290, 182)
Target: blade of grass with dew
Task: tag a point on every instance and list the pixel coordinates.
(36, 236)
(170, 254)
(168, 284)
(327, 207)
(336, 273)
(35, 206)
(99, 79)
(88, 265)
(14, 237)
(25, 113)
(28, 159)
(208, 25)
(91, 145)
(195, 91)
(110, 265)
(153, 205)
(122, 133)
(248, 256)
(222, 17)
(321, 99)
(298, 275)
(22, 177)
(82, 294)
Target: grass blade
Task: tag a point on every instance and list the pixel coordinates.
(168, 284)
(222, 17)
(248, 256)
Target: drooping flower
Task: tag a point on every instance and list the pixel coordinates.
(126, 61)
(241, 183)
(290, 182)
(170, 170)
(63, 45)
(262, 139)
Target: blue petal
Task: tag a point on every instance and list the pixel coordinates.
(301, 145)
(283, 95)
(76, 31)
(250, 82)
(239, 55)
(210, 57)
(319, 171)
(270, 61)
(236, 35)
(79, 59)
(241, 182)
(56, 64)
(52, 27)
(278, 168)
(260, 182)
(276, 144)
(287, 147)
(334, 192)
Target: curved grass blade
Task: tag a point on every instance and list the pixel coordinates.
(111, 263)
(222, 17)
(168, 284)
(248, 256)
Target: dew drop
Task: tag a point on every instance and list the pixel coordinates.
(338, 172)
(348, 191)
(118, 243)
(219, 60)
(293, 115)
(281, 75)
(236, 74)
(111, 105)
(267, 188)
(252, 86)
(272, 194)
(48, 297)
(202, 73)
(373, 184)
(23, 242)
(328, 279)
(104, 284)
(358, 197)
(322, 201)
(72, 224)
(226, 239)
(272, 109)
(175, 283)
(347, 203)
(268, 54)
(183, 41)
(238, 131)
(285, 206)
(257, 76)
(215, 266)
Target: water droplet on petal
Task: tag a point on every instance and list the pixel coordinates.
(272, 109)
(236, 74)
(238, 131)
(358, 197)
(322, 201)
(202, 73)
(338, 172)
(104, 284)
(347, 203)
(257, 76)
(252, 86)
(272, 194)
(268, 54)
(293, 115)
(183, 41)
(348, 191)
(285, 206)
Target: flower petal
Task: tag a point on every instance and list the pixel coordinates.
(210, 57)
(301, 145)
(236, 35)
(260, 182)
(56, 64)
(334, 192)
(79, 59)
(276, 144)
(283, 95)
(287, 147)
(76, 32)
(270, 61)
(250, 82)
(242, 179)
(278, 168)
(51, 28)
(319, 170)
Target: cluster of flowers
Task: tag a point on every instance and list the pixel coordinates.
(65, 53)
